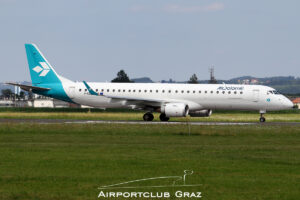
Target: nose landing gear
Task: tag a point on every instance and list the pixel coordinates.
(148, 116)
(262, 118)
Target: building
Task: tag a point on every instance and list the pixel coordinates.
(6, 103)
(296, 102)
(37, 102)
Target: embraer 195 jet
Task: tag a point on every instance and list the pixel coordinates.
(171, 100)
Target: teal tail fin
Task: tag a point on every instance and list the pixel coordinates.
(41, 71)
(45, 81)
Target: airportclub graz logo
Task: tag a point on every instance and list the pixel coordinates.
(43, 69)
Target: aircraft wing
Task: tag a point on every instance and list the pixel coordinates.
(28, 87)
(137, 101)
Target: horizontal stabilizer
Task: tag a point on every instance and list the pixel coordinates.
(28, 87)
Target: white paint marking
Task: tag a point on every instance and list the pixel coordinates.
(165, 123)
(37, 69)
(44, 65)
(45, 72)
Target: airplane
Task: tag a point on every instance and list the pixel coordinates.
(171, 100)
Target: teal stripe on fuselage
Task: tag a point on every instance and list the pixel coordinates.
(57, 91)
(91, 91)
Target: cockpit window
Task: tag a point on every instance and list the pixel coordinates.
(273, 92)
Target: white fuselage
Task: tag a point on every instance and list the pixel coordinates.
(196, 96)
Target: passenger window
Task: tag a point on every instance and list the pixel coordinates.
(205, 92)
(140, 90)
(151, 91)
(79, 90)
(199, 91)
(129, 90)
(223, 92)
(188, 91)
(145, 90)
(96, 90)
(102, 90)
(107, 90)
(119, 90)
(113, 90)
(211, 92)
(234, 92)
(176, 91)
(217, 92)
(133, 90)
(194, 91)
(85, 89)
(241, 92)
(124, 90)
(163, 91)
(156, 91)
(182, 91)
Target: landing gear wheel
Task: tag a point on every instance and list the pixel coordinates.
(148, 116)
(163, 117)
(262, 119)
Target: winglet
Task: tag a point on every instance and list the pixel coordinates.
(91, 91)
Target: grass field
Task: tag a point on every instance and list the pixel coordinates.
(70, 161)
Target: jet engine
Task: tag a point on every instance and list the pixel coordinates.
(175, 109)
(201, 113)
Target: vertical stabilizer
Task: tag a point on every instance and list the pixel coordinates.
(41, 71)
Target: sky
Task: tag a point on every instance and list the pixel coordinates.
(93, 39)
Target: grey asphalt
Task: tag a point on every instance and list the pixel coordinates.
(64, 121)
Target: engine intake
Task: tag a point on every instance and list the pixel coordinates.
(175, 109)
(201, 113)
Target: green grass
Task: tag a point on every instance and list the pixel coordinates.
(70, 161)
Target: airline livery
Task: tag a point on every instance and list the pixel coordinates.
(171, 100)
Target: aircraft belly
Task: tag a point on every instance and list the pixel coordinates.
(235, 104)
(97, 101)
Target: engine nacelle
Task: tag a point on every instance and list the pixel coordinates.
(175, 109)
(201, 113)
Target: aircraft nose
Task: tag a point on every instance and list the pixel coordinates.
(288, 104)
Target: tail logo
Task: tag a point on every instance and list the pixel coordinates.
(44, 69)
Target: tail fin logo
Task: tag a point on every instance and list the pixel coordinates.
(43, 69)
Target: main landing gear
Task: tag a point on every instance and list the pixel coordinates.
(148, 116)
(163, 117)
(262, 118)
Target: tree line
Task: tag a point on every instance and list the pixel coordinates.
(122, 77)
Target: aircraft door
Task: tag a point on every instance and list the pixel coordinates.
(72, 92)
(255, 95)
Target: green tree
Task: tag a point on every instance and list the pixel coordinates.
(122, 77)
(193, 79)
(22, 95)
(7, 93)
